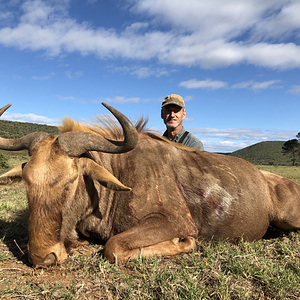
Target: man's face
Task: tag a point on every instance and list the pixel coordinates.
(173, 115)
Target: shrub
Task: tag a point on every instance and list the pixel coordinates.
(3, 161)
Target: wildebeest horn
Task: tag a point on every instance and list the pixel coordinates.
(76, 143)
(3, 109)
(26, 142)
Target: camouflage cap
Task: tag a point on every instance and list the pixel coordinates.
(173, 99)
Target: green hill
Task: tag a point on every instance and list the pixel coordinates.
(264, 153)
(11, 130)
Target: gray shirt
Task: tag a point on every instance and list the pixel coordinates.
(189, 140)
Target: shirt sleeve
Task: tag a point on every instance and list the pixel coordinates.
(193, 142)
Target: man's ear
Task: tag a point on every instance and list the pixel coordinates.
(161, 113)
(184, 113)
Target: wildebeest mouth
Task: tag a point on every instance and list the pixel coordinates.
(56, 255)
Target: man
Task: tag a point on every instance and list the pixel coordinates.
(173, 113)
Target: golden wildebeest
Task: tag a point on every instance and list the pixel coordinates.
(144, 195)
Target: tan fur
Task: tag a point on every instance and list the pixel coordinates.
(285, 195)
(168, 248)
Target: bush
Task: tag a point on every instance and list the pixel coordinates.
(3, 161)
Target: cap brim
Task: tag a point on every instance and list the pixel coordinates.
(172, 102)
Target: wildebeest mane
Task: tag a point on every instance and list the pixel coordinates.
(109, 128)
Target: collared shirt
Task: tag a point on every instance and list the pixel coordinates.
(190, 140)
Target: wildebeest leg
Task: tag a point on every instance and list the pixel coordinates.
(285, 206)
(168, 248)
(288, 207)
(151, 237)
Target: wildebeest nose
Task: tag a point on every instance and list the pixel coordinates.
(50, 259)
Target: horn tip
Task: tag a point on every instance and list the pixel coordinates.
(110, 108)
(3, 109)
(104, 104)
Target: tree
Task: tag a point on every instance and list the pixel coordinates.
(292, 148)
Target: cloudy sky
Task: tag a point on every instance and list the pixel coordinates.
(235, 62)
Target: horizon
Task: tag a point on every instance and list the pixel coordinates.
(235, 63)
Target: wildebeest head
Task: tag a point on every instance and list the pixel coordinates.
(52, 177)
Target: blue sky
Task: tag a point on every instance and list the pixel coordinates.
(235, 62)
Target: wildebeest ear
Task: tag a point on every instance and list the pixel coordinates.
(105, 178)
(12, 176)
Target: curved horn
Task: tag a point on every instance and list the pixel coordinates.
(76, 143)
(3, 109)
(26, 142)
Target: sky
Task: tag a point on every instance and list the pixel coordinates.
(235, 62)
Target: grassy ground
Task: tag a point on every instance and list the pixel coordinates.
(285, 171)
(266, 269)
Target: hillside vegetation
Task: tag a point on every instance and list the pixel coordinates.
(12, 130)
(265, 153)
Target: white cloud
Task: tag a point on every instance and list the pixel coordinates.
(232, 139)
(72, 75)
(119, 99)
(287, 17)
(31, 118)
(4, 16)
(229, 140)
(217, 84)
(189, 120)
(242, 85)
(36, 12)
(256, 86)
(263, 85)
(188, 98)
(141, 72)
(208, 34)
(244, 134)
(208, 83)
(146, 72)
(295, 89)
(43, 77)
(223, 146)
(65, 97)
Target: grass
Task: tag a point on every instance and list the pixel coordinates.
(291, 172)
(266, 269)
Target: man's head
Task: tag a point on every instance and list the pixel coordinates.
(173, 111)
